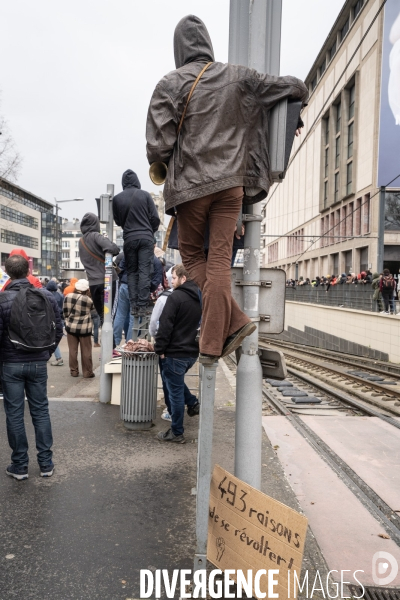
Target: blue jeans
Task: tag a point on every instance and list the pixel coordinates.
(173, 374)
(96, 325)
(29, 378)
(123, 312)
(57, 353)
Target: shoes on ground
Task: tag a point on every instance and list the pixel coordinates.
(57, 363)
(89, 376)
(194, 410)
(96, 345)
(207, 359)
(47, 470)
(74, 374)
(168, 436)
(235, 340)
(19, 473)
(166, 416)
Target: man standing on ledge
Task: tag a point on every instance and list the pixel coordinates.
(217, 160)
(134, 210)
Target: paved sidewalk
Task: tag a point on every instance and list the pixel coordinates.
(118, 502)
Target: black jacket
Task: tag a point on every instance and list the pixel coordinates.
(97, 245)
(158, 276)
(7, 351)
(134, 210)
(224, 139)
(176, 336)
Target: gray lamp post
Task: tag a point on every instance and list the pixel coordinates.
(57, 209)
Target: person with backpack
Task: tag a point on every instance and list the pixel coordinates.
(92, 248)
(78, 324)
(59, 298)
(387, 286)
(134, 210)
(30, 330)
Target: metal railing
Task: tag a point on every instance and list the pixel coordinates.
(358, 297)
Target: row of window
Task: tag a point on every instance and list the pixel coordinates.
(350, 220)
(18, 239)
(65, 265)
(272, 252)
(335, 142)
(67, 254)
(295, 243)
(339, 39)
(10, 214)
(9, 192)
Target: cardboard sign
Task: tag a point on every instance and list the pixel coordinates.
(249, 530)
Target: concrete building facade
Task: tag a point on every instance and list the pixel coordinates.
(325, 214)
(29, 222)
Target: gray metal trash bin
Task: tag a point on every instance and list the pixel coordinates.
(138, 389)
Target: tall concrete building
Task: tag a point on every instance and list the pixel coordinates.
(29, 222)
(325, 214)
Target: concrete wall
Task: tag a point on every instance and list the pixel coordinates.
(345, 330)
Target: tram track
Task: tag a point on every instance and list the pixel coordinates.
(376, 506)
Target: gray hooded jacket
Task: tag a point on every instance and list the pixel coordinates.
(92, 257)
(223, 142)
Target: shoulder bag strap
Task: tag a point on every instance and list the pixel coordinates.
(191, 94)
(73, 306)
(91, 253)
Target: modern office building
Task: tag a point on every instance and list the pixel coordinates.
(29, 222)
(325, 215)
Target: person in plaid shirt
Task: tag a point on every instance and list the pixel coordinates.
(78, 324)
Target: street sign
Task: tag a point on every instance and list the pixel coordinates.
(271, 298)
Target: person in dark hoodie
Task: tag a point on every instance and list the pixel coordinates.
(92, 247)
(59, 298)
(219, 160)
(178, 349)
(134, 210)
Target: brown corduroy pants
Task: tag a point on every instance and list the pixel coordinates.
(85, 342)
(221, 314)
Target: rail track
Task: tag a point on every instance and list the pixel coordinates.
(333, 401)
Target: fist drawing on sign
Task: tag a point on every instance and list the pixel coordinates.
(220, 547)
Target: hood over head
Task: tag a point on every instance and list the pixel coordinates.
(192, 42)
(19, 252)
(130, 179)
(190, 288)
(90, 222)
(375, 275)
(73, 281)
(51, 286)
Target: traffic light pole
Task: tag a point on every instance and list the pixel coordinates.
(107, 328)
(254, 41)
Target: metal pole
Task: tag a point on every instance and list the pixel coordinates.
(296, 272)
(207, 377)
(57, 240)
(381, 231)
(263, 23)
(107, 328)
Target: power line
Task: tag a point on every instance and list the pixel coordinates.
(331, 93)
(344, 219)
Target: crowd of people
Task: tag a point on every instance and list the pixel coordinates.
(386, 290)
(213, 167)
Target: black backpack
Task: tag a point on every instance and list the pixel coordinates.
(32, 325)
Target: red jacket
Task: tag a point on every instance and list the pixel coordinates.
(31, 278)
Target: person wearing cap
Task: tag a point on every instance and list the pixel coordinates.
(78, 325)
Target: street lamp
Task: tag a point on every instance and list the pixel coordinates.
(57, 209)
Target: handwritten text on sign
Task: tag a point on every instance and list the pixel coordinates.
(249, 530)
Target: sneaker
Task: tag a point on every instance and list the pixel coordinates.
(57, 363)
(47, 471)
(207, 359)
(168, 436)
(194, 410)
(18, 473)
(235, 340)
(116, 354)
(166, 416)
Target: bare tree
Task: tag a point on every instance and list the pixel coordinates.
(10, 158)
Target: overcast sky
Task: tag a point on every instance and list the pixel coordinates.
(77, 78)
